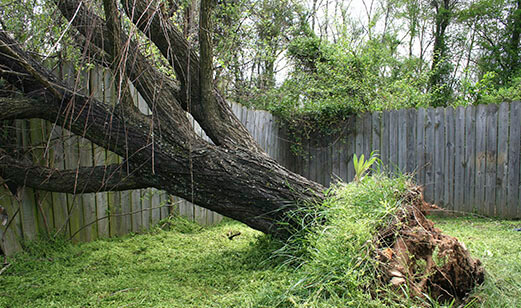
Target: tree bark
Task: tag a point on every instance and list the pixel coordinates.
(237, 182)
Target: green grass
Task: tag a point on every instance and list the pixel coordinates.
(189, 266)
(498, 246)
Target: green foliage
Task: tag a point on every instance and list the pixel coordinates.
(486, 91)
(39, 26)
(361, 165)
(330, 82)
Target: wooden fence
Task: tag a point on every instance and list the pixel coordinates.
(468, 159)
(82, 217)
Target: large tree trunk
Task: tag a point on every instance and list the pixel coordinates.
(232, 176)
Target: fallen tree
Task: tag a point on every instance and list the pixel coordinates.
(230, 175)
(161, 150)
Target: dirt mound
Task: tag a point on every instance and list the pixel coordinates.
(414, 253)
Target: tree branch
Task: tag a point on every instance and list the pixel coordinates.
(222, 126)
(160, 92)
(80, 180)
(20, 108)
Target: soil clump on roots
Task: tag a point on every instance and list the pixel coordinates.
(413, 253)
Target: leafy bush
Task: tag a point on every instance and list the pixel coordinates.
(330, 82)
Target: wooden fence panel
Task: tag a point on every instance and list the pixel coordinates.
(470, 160)
(429, 155)
(420, 146)
(459, 159)
(514, 147)
(491, 160)
(502, 159)
(481, 149)
(410, 151)
(448, 164)
(402, 140)
(439, 155)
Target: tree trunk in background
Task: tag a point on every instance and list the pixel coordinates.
(438, 82)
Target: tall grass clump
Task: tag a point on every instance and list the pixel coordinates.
(337, 263)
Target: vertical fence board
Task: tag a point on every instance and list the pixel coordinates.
(448, 165)
(137, 220)
(44, 204)
(411, 142)
(102, 209)
(145, 207)
(514, 208)
(155, 203)
(367, 134)
(88, 200)
(429, 155)
(402, 139)
(341, 147)
(439, 133)
(502, 159)
(385, 138)
(335, 158)
(491, 160)
(420, 146)
(74, 201)
(9, 234)
(376, 132)
(350, 150)
(13, 210)
(470, 160)
(126, 218)
(166, 204)
(459, 158)
(28, 210)
(481, 149)
(393, 140)
(359, 139)
(59, 200)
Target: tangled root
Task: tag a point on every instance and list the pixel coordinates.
(412, 252)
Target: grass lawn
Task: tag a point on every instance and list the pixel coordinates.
(190, 266)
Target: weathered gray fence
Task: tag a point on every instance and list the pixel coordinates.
(468, 158)
(82, 217)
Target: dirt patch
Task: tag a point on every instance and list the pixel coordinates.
(413, 252)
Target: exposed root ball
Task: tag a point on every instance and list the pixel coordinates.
(412, 251)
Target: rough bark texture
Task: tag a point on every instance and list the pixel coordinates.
(236, 182)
